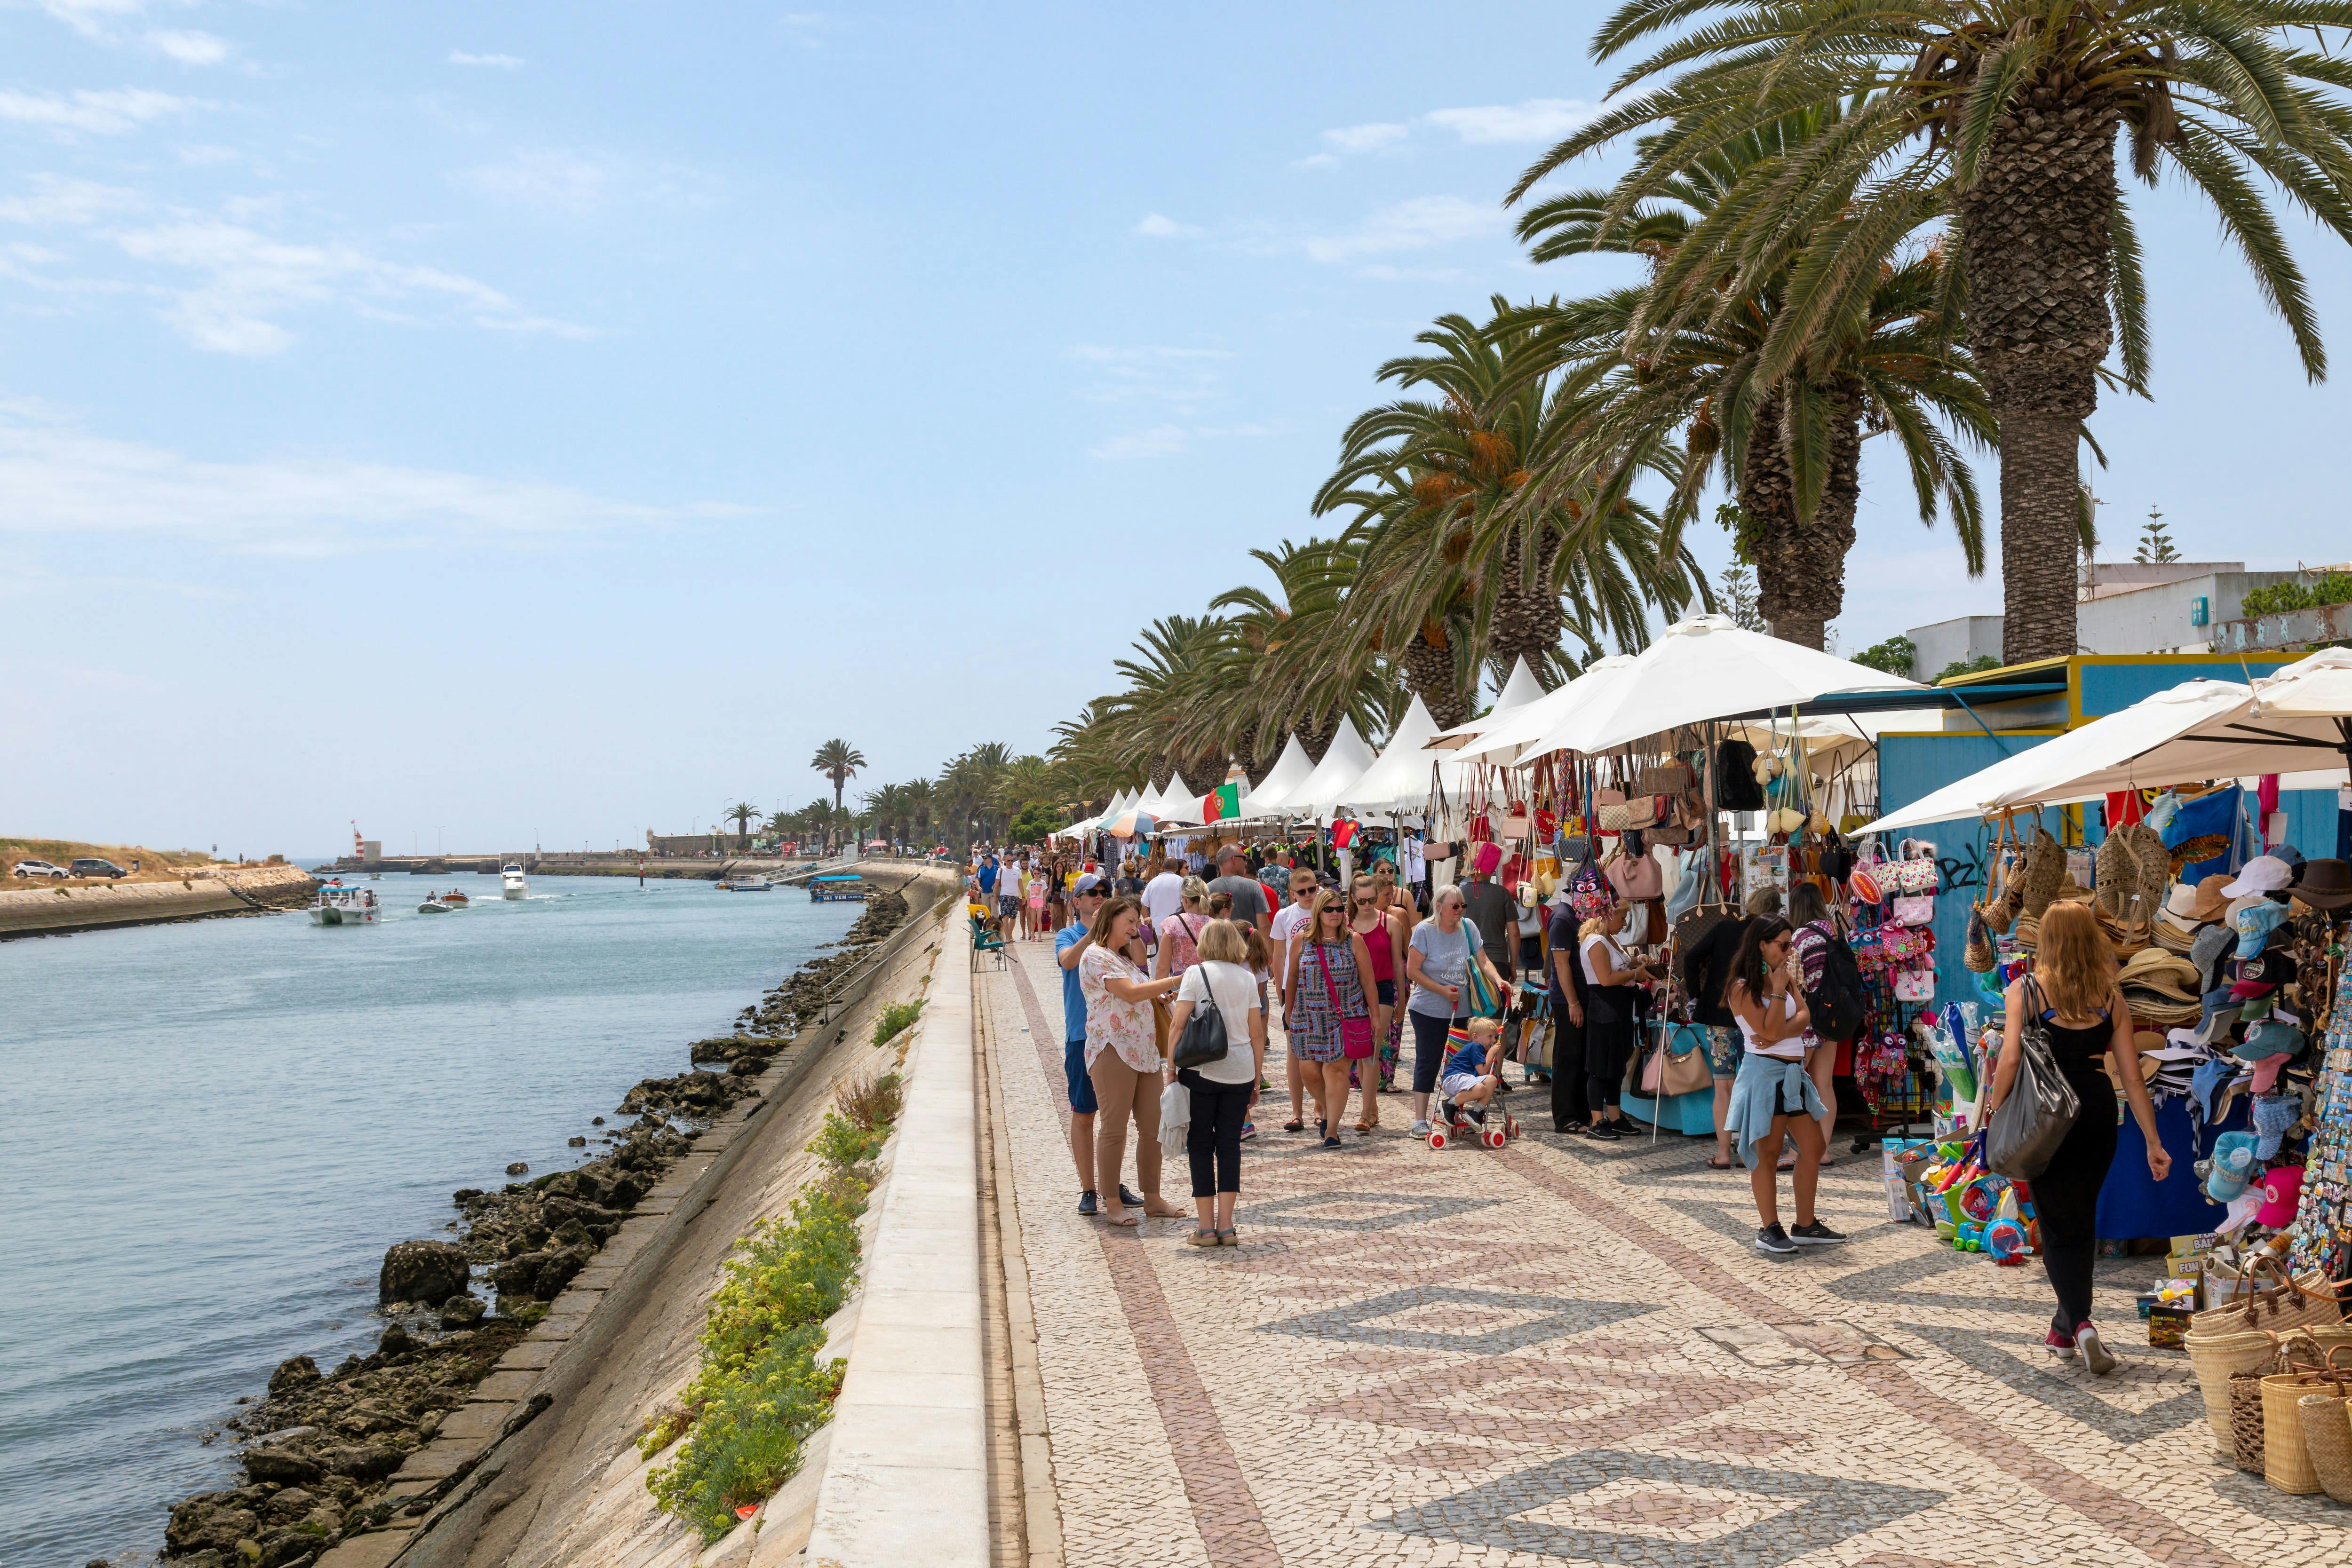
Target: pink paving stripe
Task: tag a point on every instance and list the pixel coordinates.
(1223, 1510)
(2143, 1527)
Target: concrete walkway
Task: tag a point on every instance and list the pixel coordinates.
(1569, 1351)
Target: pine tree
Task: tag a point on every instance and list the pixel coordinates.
(1736, 589)
(2156, 546)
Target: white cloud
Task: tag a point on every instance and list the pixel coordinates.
(1536, 120)
(501, 62)
(1180, 377)
(1367, 138)
(1158, 227)
(1168, 440)
(198, 154)
(248, 278)
(1415, 225)
(115, 113)
(189, 48)
(61, 199)
(91, 18)
(64, 481)
(556, 181)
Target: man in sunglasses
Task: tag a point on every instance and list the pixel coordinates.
(1070, 944)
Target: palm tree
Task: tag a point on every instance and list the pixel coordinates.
(839, 761)
(1293, 662)
(1999, 118)
(742, 814)
(1689, 372)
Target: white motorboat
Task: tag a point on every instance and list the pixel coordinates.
(434, 906)
(745, 882)
(510, 882)
(339, 905)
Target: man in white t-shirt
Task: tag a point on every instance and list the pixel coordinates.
(1163, 895)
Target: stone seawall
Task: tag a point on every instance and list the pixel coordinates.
(216, 891)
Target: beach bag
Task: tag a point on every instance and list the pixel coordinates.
(1480, 998)
(1204, 1039)
(2327, 1437)
(2025, 1131)
(1915, 985)
(1355, 1034)
(1914, 909)
(2286, 1456)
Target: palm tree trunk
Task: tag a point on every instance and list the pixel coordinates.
(2034, 236)
(1430, 675)
(1800, 564)
(1528, 618)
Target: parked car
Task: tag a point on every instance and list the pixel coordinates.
(91, 865)
(41, 868)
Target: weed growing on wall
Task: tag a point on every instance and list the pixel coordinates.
(760, 1391)
(894, 1019)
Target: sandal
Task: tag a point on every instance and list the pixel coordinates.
(1228, 1238)
(1125, 1216)
(1714, 1164)
(1166, 1211)
(1294, 1126)
(1201, 1238)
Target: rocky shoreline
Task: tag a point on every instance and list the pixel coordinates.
(322, 1447)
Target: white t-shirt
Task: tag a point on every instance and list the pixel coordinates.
(1288, 919)
(1616, 957)
(1790, 1050)
(1235, 991)
(1163, 896)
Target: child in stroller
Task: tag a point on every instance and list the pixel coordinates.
(1467, 1084)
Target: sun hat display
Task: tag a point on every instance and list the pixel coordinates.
(2324, 884)
(2210, 900)
(2268, 1038)
(2263, 874)
(2254, 925)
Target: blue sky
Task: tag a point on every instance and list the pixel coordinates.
(535, 423)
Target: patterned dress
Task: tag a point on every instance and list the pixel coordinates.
(1314, 1028)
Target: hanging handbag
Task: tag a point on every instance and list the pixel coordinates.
(1666, 778)
(1612, 812)
(1204, 1039)
(1355, 1034)
(2023, 1134)
(1687, 1070)
(1914, 909)
(1915, 985)
(1736, 789)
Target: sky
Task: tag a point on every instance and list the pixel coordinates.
(511, 424)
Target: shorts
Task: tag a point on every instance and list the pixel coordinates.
(1723, 1050)
(1073, 1069)
(1387, 990)
(1454, 1083)
(1006, 904)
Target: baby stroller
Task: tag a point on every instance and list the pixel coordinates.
(1492, 1124)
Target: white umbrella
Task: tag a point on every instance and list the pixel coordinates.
(1526, 726)
(1707, 668)
(1344, 762)
(1289, 772)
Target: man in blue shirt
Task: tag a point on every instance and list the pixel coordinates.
(1070, 944)
(987, 879)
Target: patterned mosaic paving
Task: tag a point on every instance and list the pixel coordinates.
(1563, 1352)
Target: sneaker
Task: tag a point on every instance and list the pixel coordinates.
(1249, 1130)
(1607, 1132)
(1129, 1198)
(1421, 1128)
(2095, 1354)
(1775, 1240)
(2061, 1345)
(1477, 1114)
(1816, 1235)
(1089, 1204)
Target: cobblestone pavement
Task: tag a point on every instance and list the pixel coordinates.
(1569, 1351)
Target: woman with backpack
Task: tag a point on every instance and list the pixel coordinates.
(1224, 1088)
(1833, 982)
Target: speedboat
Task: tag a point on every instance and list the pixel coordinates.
(339, 905)
(745, 882)
(510, 882)
(432, 906)
(453, 897)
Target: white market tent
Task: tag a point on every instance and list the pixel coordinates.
(1703, 670)
(1519, 690)
(1176, 803)
(1518, 694)
(1484, 740)
(1398, 780)
(1289, 772)
(1344, 762)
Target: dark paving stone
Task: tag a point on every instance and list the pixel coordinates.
(1297, 1213)
(1352, 1323)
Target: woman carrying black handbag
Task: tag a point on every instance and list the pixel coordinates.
(2082, 1013)
(1225, 1087)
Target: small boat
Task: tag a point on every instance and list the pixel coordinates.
(510, 882)
(745, 882)
(339, 905)
(453, 897)
(432, 906)
(849, 889)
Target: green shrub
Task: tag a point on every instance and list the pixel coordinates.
(1967, 667)
(2279, 598)
(760, 1390)
(1896, 656)
(896, 1018)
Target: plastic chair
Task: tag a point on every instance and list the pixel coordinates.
(983, 940)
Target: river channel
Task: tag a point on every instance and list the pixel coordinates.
(210, 1132)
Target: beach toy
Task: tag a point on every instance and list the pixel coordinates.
(2006, 1240)
(1977, 1200)
(2231, 1167)
(1969, 1239)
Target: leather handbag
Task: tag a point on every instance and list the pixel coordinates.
(1204, 1039)
(2023, 1134)
(1355, 1034)
(1666, 778)
(1610, 811)
(1688, 1068)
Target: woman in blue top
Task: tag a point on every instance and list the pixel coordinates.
(1437, 961)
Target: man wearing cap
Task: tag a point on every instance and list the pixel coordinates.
(1070, 944)
(1248, 894)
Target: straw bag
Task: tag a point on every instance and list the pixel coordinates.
(2307, 1300)
(2327, 1438)
(2217, 1357)
(2286, 1461)
(2046, 872)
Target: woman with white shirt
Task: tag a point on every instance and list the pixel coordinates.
(1774, 1097)
(1224, 1090)
(1611, 997)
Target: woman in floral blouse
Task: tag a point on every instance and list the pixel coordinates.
(1123, 1061)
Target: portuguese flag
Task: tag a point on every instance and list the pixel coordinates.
(1221, 803)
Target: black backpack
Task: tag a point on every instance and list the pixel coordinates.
(1736, 789)
(1836, 1006)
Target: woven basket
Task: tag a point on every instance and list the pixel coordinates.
(2045, 872)
(2245, 1441)
(2286, 1463)
(2222, 1361)
(2306, 1300)
(2327, 1438)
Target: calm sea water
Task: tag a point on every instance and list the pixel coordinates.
(209, 1133)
